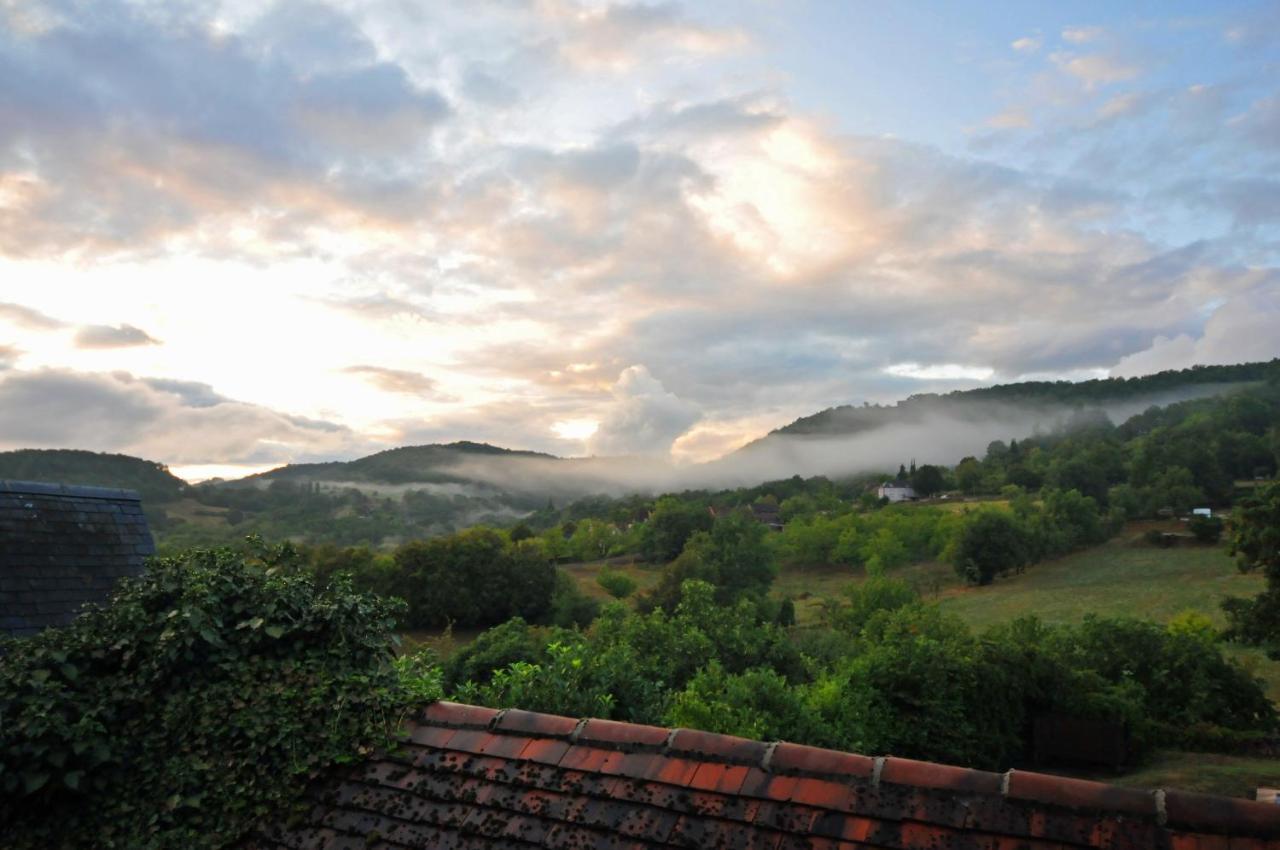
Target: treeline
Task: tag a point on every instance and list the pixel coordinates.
(469, 579)
(345, 516)
(153, 481)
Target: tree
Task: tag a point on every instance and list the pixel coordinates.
(927, 480)
(669, 527)
(473, 578)
(1255, 541)
(733, 557)
(969, 476)
(991, 543)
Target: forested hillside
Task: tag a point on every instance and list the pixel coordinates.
(1052, 398)
(152, 480)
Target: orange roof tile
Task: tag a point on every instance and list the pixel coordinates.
(471, 777)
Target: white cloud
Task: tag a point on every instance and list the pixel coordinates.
(1027, 44)
(1242, 330)
(941, 372)
(643, 418)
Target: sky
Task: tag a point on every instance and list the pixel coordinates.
(235, 235)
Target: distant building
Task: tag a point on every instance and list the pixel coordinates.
(762, 512)
(770, 515)
(62, 546)
(896, 491)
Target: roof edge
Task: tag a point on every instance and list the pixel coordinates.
(1169, 808)
(78, 491)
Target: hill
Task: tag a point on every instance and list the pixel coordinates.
(153, 481)
(1052, 400)
(431, 464)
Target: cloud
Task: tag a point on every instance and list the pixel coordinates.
(9, 355)
(1082, 35)
(1241, 330)
(1027, 44)
(58, 408)
(113, 336)
(395, 380)
(616, 36)
(643, 418)
(1096, 70)
(26, 317)
(126, 127)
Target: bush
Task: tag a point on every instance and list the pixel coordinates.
(200, 700)
(1207, 529)
(616, 584)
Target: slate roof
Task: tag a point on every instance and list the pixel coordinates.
(472, 777)
(62, 546)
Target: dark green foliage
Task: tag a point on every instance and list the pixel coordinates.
(570, 607)
(670, 526)
(918, 686)
(472, 578)
(200, 700)
(928, 480)
(153, 481)
(1255, 541)
(1207, 529)
(616, 584)
(991, 543)
(733, 557)
(513, 641)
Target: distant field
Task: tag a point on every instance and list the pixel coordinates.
(1122, 577)
(645, 576)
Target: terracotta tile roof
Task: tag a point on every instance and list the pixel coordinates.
(62, 546)
(470, 777)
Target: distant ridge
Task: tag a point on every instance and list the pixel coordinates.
(429, 464)
(153, 481)
(850, 419)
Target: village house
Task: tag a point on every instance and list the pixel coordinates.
(897, 490)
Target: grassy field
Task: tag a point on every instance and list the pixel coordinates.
(1124, 576)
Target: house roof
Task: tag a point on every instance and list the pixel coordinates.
(471, 777)
(62, 546)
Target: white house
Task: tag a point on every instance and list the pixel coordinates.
(896, 491)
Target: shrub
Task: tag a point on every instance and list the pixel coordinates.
(1207, 529)
(616, 584)
(201, 699)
